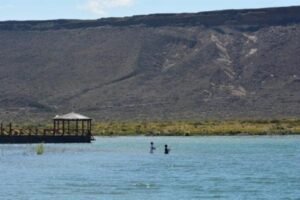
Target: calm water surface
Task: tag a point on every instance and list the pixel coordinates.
(122, 168)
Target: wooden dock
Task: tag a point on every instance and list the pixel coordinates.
(69, 128)
(26, 139)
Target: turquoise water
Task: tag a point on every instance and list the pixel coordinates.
(122, 168)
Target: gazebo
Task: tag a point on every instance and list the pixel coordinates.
(72, 124)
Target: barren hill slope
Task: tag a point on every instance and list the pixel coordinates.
(225, 64)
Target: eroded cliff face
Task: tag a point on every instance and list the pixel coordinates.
(227, 64)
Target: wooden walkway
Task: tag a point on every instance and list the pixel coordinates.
(10, 135)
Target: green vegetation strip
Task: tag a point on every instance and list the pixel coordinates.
(190, 128)
(247, 127)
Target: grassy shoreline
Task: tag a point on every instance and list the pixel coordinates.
(190, 128)
(204, 128)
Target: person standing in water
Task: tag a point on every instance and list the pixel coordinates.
(152, 148)
(167, 150)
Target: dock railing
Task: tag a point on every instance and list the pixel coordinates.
(9, 130)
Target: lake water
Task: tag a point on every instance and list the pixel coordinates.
(122, 168)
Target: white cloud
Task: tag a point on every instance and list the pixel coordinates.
(100, 7)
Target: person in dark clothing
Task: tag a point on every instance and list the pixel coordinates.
(167, 150)
(152, 148)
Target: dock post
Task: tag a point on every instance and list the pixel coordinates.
(68, 127)
(82, 127)
(77, 130)
(54, 127)
(58, 129)
(1, 128)
(63, 127)
(10, 129)
(90, 127)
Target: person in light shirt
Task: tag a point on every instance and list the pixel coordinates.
(152, 148)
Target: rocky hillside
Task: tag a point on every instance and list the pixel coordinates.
(213, 65)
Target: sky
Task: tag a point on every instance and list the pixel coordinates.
(94, 9)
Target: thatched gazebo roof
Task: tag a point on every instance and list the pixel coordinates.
(71, 116)
(72, 123)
